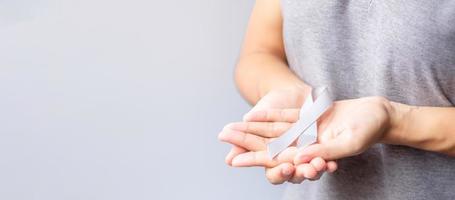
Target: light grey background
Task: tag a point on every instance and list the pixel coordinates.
(106, 99)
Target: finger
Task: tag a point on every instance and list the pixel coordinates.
(280, 173)
(273, 115)
(245, 140)
(320, 166)
(317, 177)
(325, 151)
(332, 166)
(299, 176)
(329, 150)
(305, 172)
(261, 158)
(264, 129)
(308, 171)
(235, 150)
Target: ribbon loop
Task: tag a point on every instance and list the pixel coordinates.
(315, 105)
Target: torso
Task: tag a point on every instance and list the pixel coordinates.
(403, 50)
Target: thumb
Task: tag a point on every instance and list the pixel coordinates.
(330, 150)
(262, 104)
(253, 111)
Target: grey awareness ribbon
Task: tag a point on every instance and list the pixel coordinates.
(305, 129)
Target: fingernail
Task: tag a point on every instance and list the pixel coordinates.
(222, 135)
(247, 116)
(238, 126)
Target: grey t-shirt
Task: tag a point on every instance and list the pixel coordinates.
(403, 50)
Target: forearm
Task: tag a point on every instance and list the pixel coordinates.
(427, 128)
(258, 73)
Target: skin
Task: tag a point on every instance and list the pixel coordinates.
(254, 133)
(348, 128)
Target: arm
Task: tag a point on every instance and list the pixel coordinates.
(427, 128)
(359, 123)
(263, 74)
(262, 67)
(262, 64)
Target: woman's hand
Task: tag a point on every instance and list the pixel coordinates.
(255, 136)
(348, 128)
(257, 133)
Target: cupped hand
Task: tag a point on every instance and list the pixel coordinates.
(251, 136)
(348, 128)
(254, 136)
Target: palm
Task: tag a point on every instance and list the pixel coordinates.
(281, 101)
(352, 126)
(275, 99)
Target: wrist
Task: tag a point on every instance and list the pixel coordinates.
(423, 128)
(400, 117)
